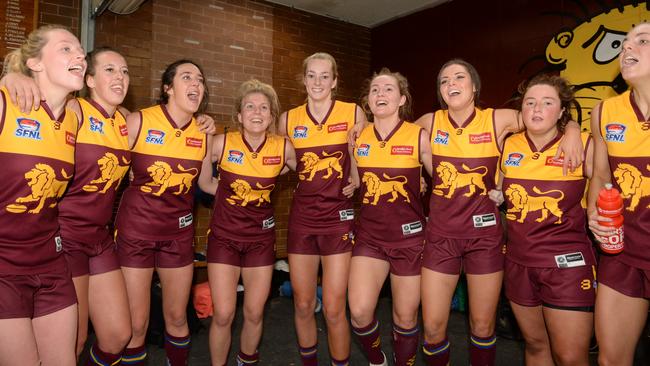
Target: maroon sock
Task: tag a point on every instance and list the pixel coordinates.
(98, 357)
(482, 351)
(134, 356)
(405, 345)
(177, 349)
(370, 341)
(436, 354)
(309, 355)
(344, 362)
(246, 360)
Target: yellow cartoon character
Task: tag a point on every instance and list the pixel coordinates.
(314, 164)
(634, 185)
(163, 176)
(42, 181)
(452, 179)
(587, 55)
(376, 188)
(244, 193)
(110, 173)
(525, 203)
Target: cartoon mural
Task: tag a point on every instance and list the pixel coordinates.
(587, 55)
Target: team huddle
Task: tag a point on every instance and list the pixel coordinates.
(530, 170)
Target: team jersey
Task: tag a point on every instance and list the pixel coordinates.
(390, 170)
(465, 159)
(545, 211)
(242, 205)
(319, 205)
(166, 162)
(627, 135)
(37, 158)
(102, 159)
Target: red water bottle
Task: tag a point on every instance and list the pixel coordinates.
(610, 204)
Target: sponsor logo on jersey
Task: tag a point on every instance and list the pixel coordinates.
(271, 160)
(346, 215)
(300, 132)
(442, 138)
(235, 156)
(185, 221)
(58, 244)
(481, 138)
(551, 161)
(338, 127)
(70, 138)
(411, 228)
(363, 150)
(96, 125)
(268, 223)
(155, 137)
(514, 159)
(193, 142)
(123, 130)
(615, 132)
(401, 150)
(28, 128)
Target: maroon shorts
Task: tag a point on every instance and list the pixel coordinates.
(473, 256)
(319, 244)
(84, 258)
(138, 253)
(555, 287)
(33, 296)
(403, 261)
(628, 280)
(239, 253)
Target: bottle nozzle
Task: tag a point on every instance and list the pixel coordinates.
(608, 186)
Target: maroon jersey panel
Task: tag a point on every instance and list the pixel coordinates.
(545, 220)
(158, 203)
(319, 205)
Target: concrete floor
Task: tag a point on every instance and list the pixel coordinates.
(278, 345)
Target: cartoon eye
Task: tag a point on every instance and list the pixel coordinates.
(609, 47)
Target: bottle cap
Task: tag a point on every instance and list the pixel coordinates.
(608, 186)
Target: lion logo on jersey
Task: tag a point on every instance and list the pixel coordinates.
(525, 203)
(110, 172)
(245, 193)
(163, 176)
(452, 179)
(376, 188)
(314, 164)
(633, 184)
(42, 181)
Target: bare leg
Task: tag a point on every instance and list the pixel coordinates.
(619, 322)
(257, 284)
(56, 337)
(223, 286)
(531, 323)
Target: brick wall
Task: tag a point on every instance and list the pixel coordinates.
(64, 12)
(233, 41)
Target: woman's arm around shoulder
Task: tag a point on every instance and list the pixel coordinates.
(426, 122)
(600, 175)
(289, 156)
(133, 124)
(207, 182)
(425, 152)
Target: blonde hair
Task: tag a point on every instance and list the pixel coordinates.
(16, 60)
(256, 86)
(322, 56)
